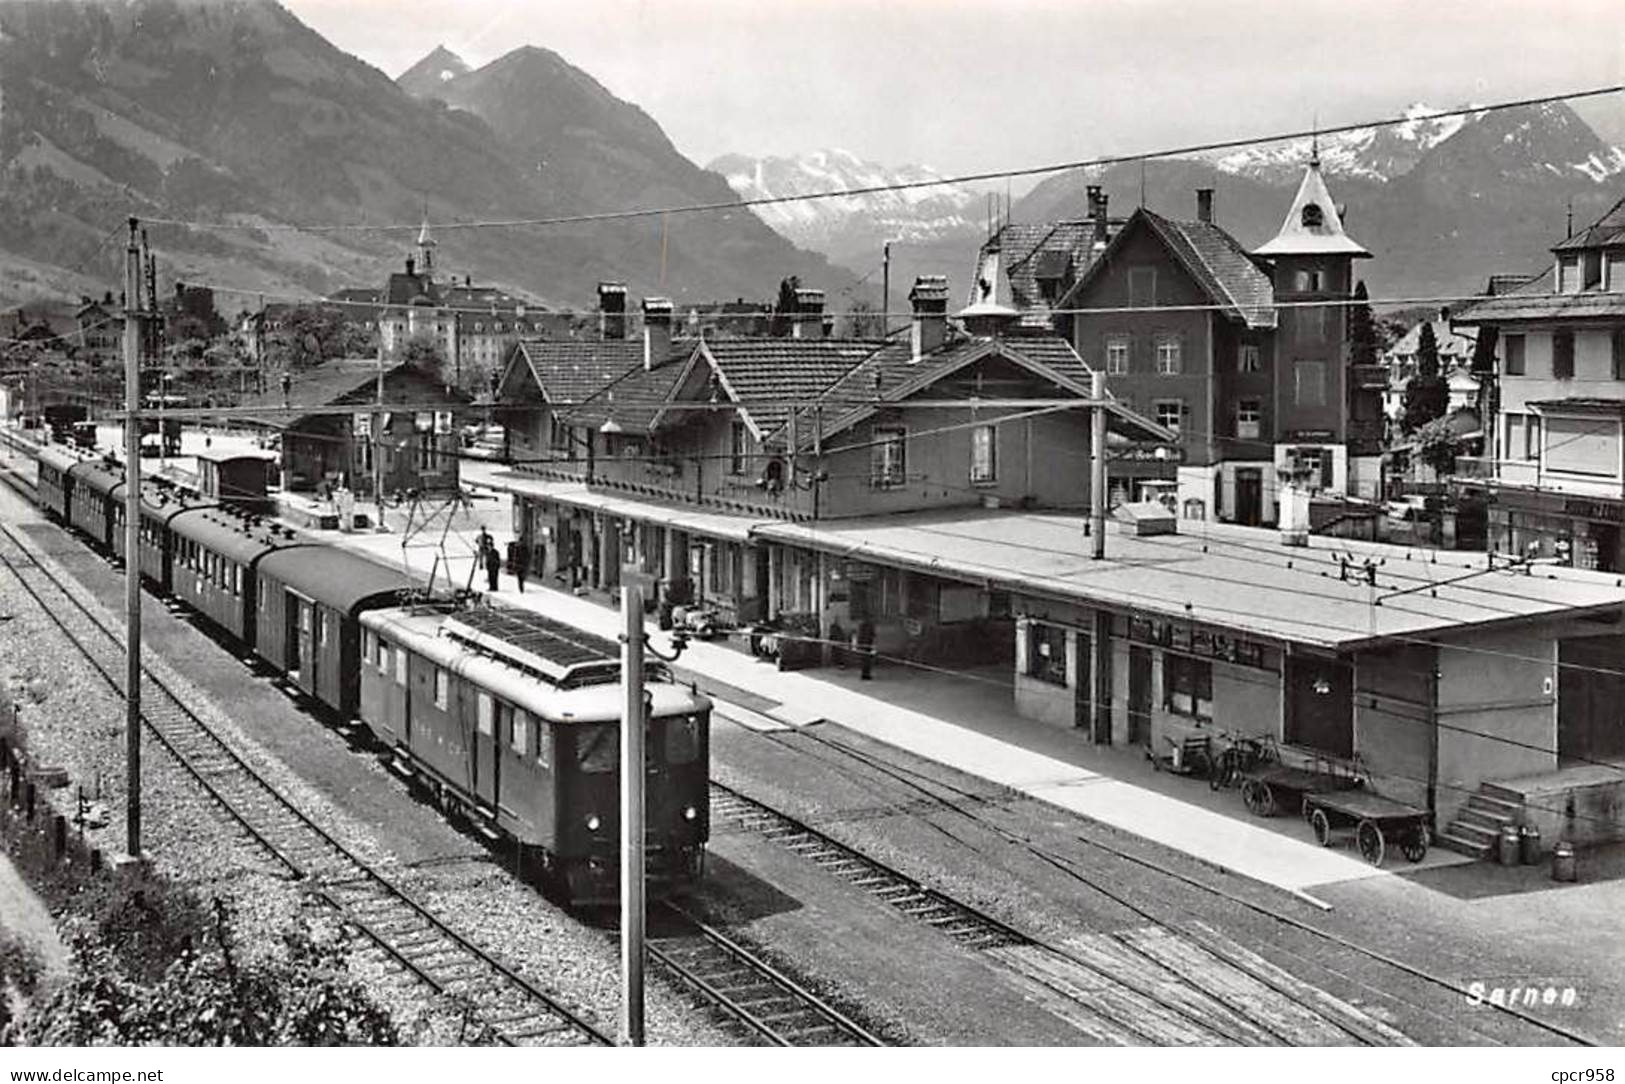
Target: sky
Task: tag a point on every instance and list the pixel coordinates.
(963, 86)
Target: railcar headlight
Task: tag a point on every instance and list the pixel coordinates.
(689, 813)
(593, 822)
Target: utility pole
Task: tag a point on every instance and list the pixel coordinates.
(1097, 464)
(885, 287)
(632, 828)
(376, 438)
(133, 327)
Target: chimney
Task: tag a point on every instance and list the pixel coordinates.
(611, 311)
(1204, 205)
(930, 328)
(1093, 192)
(1099, 217)
(411, 266)
(809, 317)
(656, 331)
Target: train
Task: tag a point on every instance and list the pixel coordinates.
(505, 719)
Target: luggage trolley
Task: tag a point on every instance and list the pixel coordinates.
(1373, 819)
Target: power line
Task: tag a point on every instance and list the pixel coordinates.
(896, 186)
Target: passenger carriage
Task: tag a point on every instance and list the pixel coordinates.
(306, 604)
(214, 563)
(513, 720)
(54, 486)
(97, 483)
(160, 503)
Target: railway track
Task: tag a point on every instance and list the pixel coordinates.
(766, 1004)
(406, 933)
(1150, 985)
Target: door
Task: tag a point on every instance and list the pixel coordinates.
(1139, 695)
(291, 651)
(1320, 705)
(308, 651)
(485, 749)
(1589, 693)
(1083, 688)
(1249, 496)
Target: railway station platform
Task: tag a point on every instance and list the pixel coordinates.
(972, 730)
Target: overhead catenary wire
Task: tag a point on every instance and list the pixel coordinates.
(1097, 162)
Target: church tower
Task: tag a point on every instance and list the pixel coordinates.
(1311, 259)
(426, 245)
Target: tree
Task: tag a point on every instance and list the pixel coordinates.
(1364, 345)
(307, 335)
(1427, 394)
(426, 355)
(865, 321)
(785, 309)
(1437, 445)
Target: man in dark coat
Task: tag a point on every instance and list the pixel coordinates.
(866, 648)
(521, 564)
(493, 566)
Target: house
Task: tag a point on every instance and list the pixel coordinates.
(1554, 472)
(1038, 263)
(99, 330)
(334, 435)
(1455, 349)
(1231, 349)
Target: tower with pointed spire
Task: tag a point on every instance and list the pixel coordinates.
(1311, 258)
(426, 245)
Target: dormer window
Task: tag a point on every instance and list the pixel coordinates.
(1313, 218)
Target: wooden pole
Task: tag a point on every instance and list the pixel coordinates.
(633, 722)
(132, 542)
(1097, 465)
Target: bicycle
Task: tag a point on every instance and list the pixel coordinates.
(1241, 756)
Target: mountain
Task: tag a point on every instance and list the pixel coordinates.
(1441, 205)
(234, 112)
(424, 78)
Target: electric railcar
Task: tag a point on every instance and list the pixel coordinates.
(513, 721)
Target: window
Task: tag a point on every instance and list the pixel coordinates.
(382, 660)
(737, 443)
(483, 708)
(1513, 448)
(1169, 412)
(1309, 280)
(1617, 344)
(1247, 359)
(984, 454)
(1563, 355)
(1531, 438)
(1514, 355)
(441, 690)
(1568, 275)
(1046, 653)
(1309, 383)
(1187, 686)
(517, 726)
(544, 744)
(1249, 413)
(400, 666)
(600, 749)
(1117, 350)
(1312, 217)
(888, 456)
(1170, 357)
(682, 739)
(1142, 286)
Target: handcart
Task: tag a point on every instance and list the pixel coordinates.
(1188, 755)
(1374, 820)
(1271, 787)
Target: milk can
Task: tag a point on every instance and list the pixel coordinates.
(1529, 844)
(1508, 851)
(1563, 861)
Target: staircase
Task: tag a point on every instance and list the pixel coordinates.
(1488, 810)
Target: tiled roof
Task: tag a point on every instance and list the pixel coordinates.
(1534, 300)
(1607, 230)
(1032, 250)
(1222, 267)
(900, 376)
(403, 289)
(342, 380)
(574, 370)
(765, 374)
(635, 397)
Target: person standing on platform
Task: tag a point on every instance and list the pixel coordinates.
(493, 566)
(521, 564)
(866, 648)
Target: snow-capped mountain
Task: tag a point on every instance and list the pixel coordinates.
(844, 227)
(1376, 153)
